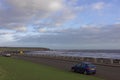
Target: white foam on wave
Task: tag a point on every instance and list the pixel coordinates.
(79, 54)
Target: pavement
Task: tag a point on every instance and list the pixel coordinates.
(105, 72)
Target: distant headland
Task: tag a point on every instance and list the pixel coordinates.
(23, 48)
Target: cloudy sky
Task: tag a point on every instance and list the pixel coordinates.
(60, 24)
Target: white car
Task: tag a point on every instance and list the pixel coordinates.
(7, 55)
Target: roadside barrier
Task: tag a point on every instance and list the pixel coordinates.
(101, 61)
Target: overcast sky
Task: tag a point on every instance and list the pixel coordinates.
(60, 24)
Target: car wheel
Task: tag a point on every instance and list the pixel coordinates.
(94, 72)
(80, 72)
(75, 70)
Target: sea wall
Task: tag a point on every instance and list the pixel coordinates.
(100, 61)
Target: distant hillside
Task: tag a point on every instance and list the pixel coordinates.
(23, 48)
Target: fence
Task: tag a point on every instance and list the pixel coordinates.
(101, 61)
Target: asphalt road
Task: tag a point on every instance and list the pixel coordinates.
(105, 72)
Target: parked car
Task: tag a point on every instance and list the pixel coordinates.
(7, 55)
(84, 68)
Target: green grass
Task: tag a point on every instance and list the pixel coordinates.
(12, 69)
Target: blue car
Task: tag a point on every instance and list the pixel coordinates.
(84, 68)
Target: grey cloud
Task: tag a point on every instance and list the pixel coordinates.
(26, 12)
(16, 15)
(106, 36)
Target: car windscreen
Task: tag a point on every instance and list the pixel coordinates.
(91, 66)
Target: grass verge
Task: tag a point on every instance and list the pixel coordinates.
(12, 69)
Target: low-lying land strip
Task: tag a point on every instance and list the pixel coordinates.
(14, 69)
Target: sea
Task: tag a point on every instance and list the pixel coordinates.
(112, 54)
